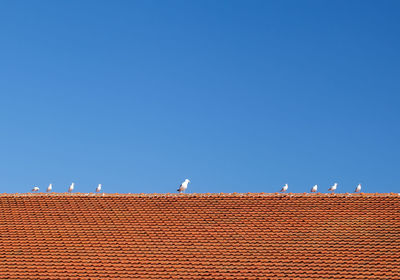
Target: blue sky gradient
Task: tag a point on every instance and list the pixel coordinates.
(237, 96)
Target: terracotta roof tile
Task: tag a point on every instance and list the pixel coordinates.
(200, 236)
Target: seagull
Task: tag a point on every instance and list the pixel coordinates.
(183, 186)
(284, 188)
(333, 188)
(314, 189)
(71, 188)
(358, 189)
(49, 188)
(35, 189)
(98, 189)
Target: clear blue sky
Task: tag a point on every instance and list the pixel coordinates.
(238, 96)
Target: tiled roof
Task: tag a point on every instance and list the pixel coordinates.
(200, 236)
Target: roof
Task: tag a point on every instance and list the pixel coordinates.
(199, 236)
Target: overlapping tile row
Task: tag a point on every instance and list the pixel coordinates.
(226, 236)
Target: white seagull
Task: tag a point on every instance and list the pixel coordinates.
(284, 188)
(358, 189)
(49, 188)
(314, 189)
(71, 188)
(183, 186)
(98, 189)
(333, 188)
(35, 189)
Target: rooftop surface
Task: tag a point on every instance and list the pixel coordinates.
(199, 236)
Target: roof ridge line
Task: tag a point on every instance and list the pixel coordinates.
(205, 194)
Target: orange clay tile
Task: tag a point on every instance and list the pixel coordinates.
(199, 236)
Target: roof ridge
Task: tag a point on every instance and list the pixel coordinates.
(276, 194)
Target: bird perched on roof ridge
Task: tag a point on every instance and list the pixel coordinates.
(358, 189)
(284, 188)
(98, 189)
(35, 189)
(183, 186)
(49, 188)
(71, 188)
(314, 189)
(333, 188)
